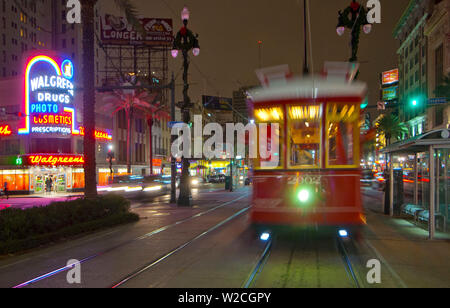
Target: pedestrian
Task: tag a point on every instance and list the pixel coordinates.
(48, 186)
(5, 190)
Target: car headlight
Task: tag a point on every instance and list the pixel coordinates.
(195, 182)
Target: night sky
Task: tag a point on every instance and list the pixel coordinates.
(229, 31)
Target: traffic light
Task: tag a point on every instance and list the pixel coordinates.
(416, 101)
(365, 103)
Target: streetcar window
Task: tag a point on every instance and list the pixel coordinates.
(270, 116)
(342, 131)
(304, 136)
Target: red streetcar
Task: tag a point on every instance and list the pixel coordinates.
(316, 178)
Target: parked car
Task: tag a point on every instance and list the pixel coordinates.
(197, 181)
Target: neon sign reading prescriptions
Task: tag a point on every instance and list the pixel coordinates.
(49, 93)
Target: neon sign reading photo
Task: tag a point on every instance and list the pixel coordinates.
(49, 92)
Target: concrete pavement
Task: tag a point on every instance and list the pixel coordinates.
(226, 255)
(410, 259)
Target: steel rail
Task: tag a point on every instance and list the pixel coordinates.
(145, 236)
(259, 266)
(347, 263)
(174, 251)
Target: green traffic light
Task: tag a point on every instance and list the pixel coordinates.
(414, 102)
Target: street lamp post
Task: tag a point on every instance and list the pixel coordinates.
(185, 40)
(357, 20)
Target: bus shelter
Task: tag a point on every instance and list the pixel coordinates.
(428, 179)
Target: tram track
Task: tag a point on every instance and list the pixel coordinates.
(62, 269)
(347, 262)
(292, 268)
(163, 257)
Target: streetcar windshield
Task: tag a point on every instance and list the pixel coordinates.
(304, 133)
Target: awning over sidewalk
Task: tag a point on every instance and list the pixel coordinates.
(439, 139)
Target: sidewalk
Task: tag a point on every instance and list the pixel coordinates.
(404, 249)
(29, 201)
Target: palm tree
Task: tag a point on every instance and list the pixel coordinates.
(87, 20)
(139, 99)
(391, 127)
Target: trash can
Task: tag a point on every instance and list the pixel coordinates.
(227, 182)
(398, 192)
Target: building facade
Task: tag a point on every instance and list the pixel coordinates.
(423, 57)
(412, 59)
(28, 29)
(437, 32)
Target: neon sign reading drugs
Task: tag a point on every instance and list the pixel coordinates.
(49, 92)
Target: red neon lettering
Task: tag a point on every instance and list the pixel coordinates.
(5, 130)
(54, 160)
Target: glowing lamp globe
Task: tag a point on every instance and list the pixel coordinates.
(340, 30)
(196, 51)
(367, 28)
(174, 53)
(185, 14)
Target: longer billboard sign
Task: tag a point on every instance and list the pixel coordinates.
(116, 30)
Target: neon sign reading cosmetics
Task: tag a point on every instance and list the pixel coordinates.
(55, 160)
(49, 92)
(52, 119)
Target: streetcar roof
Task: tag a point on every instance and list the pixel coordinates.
(308, 88)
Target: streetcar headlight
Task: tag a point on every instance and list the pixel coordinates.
(303, 195)
(343, 233)
(265, 236)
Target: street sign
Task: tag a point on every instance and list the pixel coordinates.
(437, 101)
(173, 123)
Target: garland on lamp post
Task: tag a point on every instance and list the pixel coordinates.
(354, 17)
(185, 40)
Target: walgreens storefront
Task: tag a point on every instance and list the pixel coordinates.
(33, 171)
(41, 138)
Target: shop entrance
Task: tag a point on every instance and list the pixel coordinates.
(50, 181)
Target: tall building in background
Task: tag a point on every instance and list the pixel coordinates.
(437, 32)
(24, 25)
(240, 107)
(412, 59)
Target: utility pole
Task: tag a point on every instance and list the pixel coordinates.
(173, 163)
(185, 41)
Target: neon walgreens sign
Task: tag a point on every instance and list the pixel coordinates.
(5, 130)
(48, 91)
(55, 160)
(99, 135)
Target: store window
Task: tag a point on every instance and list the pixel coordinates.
(304, 136)
(342, 135)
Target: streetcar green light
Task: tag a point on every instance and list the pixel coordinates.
(303, 195)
